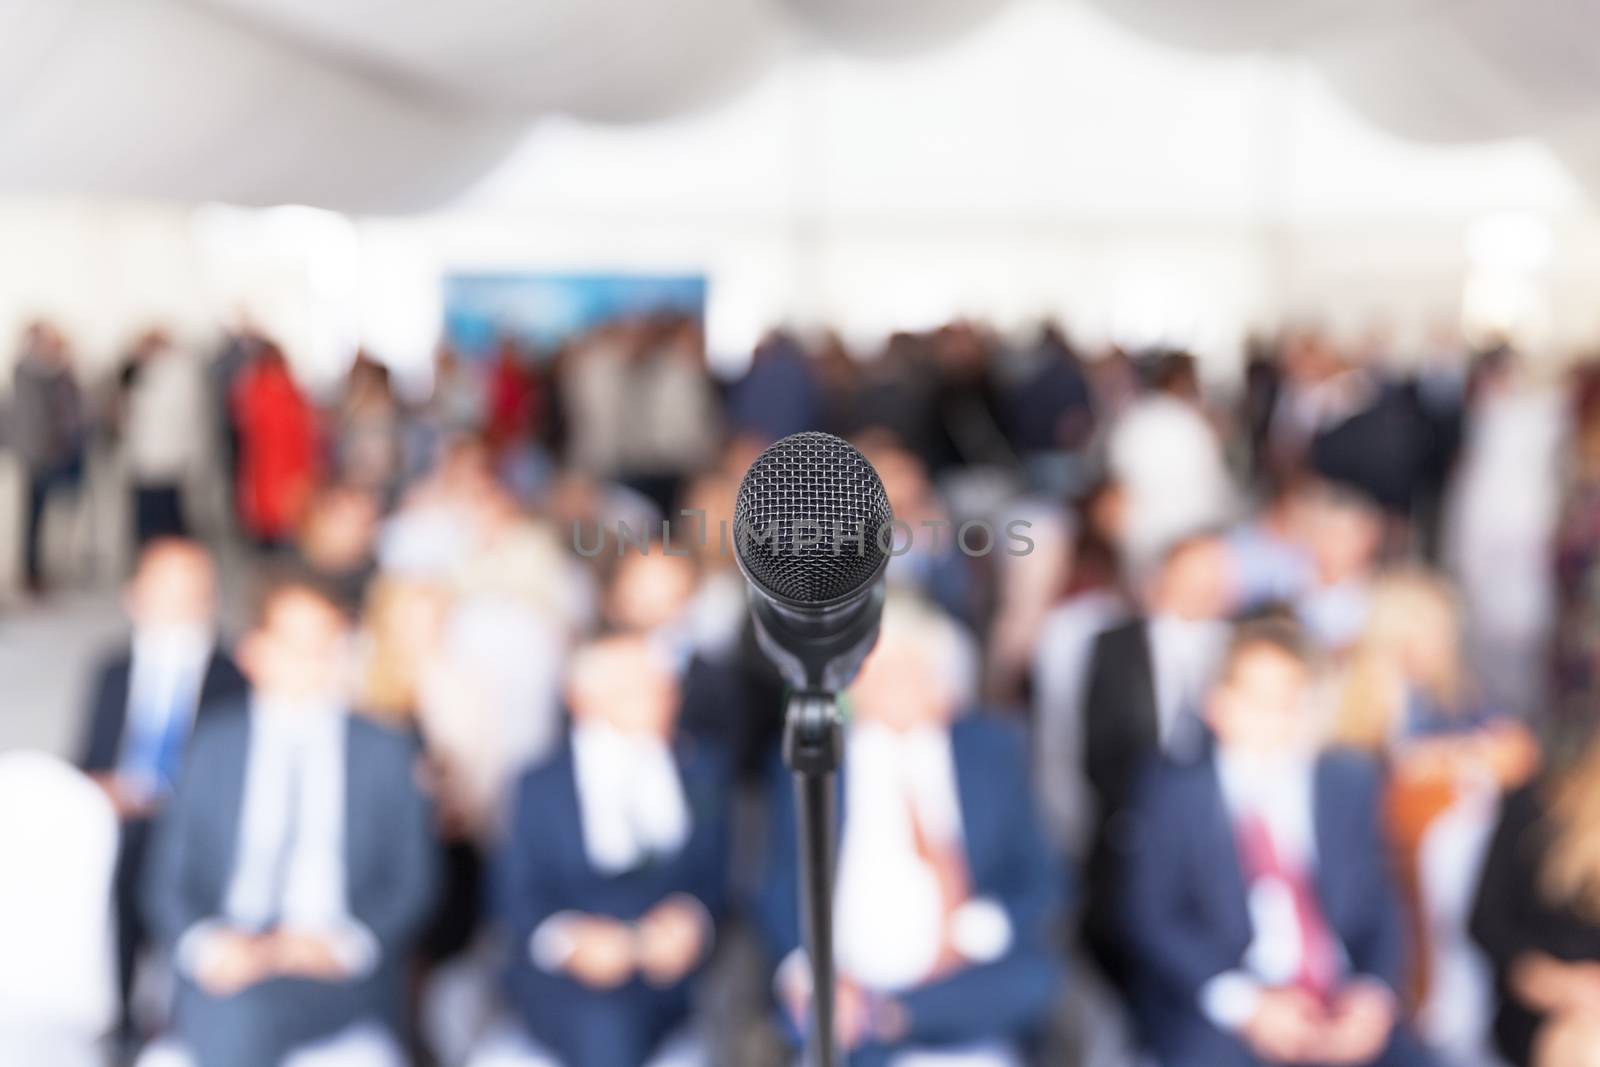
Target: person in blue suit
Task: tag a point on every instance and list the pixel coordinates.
(948, 898)
(613, 874)
(1263, 923)
(292, 871)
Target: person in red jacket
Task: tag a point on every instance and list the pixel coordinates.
(278, 448)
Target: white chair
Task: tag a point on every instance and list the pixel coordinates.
(58, 849)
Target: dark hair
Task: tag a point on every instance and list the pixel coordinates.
(285, 579)
(1277, 632)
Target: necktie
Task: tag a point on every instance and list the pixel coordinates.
(169, 750)
(159, 728)
(1259, 855)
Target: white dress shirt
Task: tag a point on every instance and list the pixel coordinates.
(1281, 795)
(1335, 615)
(630, 798)
(632, 807)
(289, 865)
(1184, 655)
(891, 918)
(1061, 662)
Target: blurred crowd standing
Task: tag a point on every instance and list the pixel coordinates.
(1272, 749)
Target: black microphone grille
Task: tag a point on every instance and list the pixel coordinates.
(811, 524)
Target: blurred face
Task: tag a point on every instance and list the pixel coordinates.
(342, 528)
(1108, 512)
(300, 652)
(901, 687)
(1344, 540)
(651, 590)
(414, 617)
(1261, 707)
(1196, 582)
(626, 684)
(467, 468)
(904, 482)
(174, 587)
(1430, 648)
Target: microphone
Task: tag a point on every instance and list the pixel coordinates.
(812, 528)
(811, 535)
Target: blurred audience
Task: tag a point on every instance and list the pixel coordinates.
(554, 693)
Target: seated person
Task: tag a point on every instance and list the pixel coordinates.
(948, 896)
(1263, 925)
(613, 873)
(1538, 918)
(1408, 698)
(146, 699)
(294, 866)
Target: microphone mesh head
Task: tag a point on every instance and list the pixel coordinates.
(809, 523)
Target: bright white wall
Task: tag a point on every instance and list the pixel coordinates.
(1049, 163)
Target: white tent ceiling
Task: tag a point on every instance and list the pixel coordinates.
(396, 105)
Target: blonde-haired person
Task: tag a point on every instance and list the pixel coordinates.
(1406, 696)
(410, 682)
(1538, 918)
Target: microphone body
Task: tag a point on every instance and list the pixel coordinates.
(818, 652)
(809, 527)
(810, 524)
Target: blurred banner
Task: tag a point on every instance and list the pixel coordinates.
(545, 309)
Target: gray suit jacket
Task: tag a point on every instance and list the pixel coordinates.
(391, 851)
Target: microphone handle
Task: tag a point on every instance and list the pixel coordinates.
(813, 747)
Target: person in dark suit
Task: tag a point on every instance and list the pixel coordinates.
(294, 867)
(947, 892)
(1262, 922)
(613, 874)
(1146, 680)
(146, 698)
(1537, 917)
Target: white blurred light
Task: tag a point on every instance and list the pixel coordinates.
(1506, 295)
(1509, 241)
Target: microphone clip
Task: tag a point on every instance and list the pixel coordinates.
(813, 734)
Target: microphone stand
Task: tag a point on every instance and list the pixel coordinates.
(813, 747)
